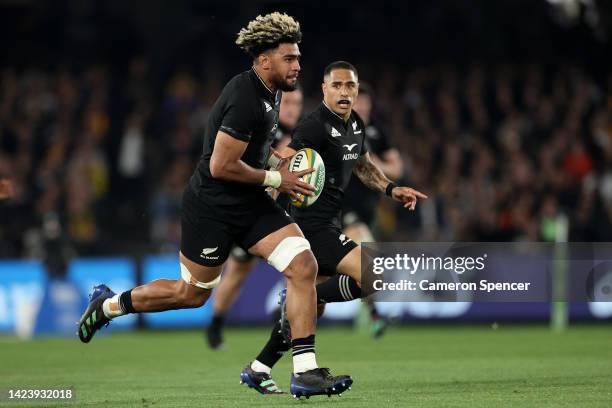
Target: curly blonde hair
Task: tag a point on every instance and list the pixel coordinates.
(267, 32)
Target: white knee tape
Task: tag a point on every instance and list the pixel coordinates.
(286, 250)
(186, 275)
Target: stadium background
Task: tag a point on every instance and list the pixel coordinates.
(502, 112)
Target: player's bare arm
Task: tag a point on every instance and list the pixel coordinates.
(372, 176)
(225, 164)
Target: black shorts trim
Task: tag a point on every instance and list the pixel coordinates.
(329, 245)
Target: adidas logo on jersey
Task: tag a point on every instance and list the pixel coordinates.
(355, 131)
(268, 107)
(335, 132)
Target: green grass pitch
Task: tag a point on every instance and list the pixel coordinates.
(412, 366)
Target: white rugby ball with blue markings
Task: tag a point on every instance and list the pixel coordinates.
(305, 159)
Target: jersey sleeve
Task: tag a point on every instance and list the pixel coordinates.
(364, 147)
(308, 133)
(241, 116)
(364, 144)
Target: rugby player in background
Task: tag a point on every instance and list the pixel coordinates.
(360, 202)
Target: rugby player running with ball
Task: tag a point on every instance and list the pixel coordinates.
(226, 203)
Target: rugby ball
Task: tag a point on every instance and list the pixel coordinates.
(305, 159)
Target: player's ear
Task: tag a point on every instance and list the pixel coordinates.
(264, 60)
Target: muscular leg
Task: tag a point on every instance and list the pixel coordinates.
(306, 377)
(156, 296)
(164, 294)
(300, 303)
(350, 265)
(169, 294)
(345, 285)
(321, 306)
(360, 232)
(300, 276)
(301, 295)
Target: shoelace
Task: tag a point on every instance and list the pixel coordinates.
(325, 372)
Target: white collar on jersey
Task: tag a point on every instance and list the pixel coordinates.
(339, 117)
(262, 81)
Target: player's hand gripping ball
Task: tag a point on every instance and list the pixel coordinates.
(305, 159)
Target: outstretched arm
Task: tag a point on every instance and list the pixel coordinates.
(373, 178)
(370, 174)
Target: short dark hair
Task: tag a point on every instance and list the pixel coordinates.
(340, 65)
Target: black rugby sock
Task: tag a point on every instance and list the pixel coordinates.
(338, 288)
(274, 348)
(125, 301)
(218, 321)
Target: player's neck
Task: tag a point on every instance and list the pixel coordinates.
(261, 74)
(344, 118)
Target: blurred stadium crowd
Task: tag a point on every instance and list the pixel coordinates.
(501, 151)
(99, 160)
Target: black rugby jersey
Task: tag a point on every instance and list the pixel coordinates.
(340, 144)
(282, 132)
(247, 110)
(358, 197)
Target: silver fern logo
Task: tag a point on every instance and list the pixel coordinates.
(208, 251)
